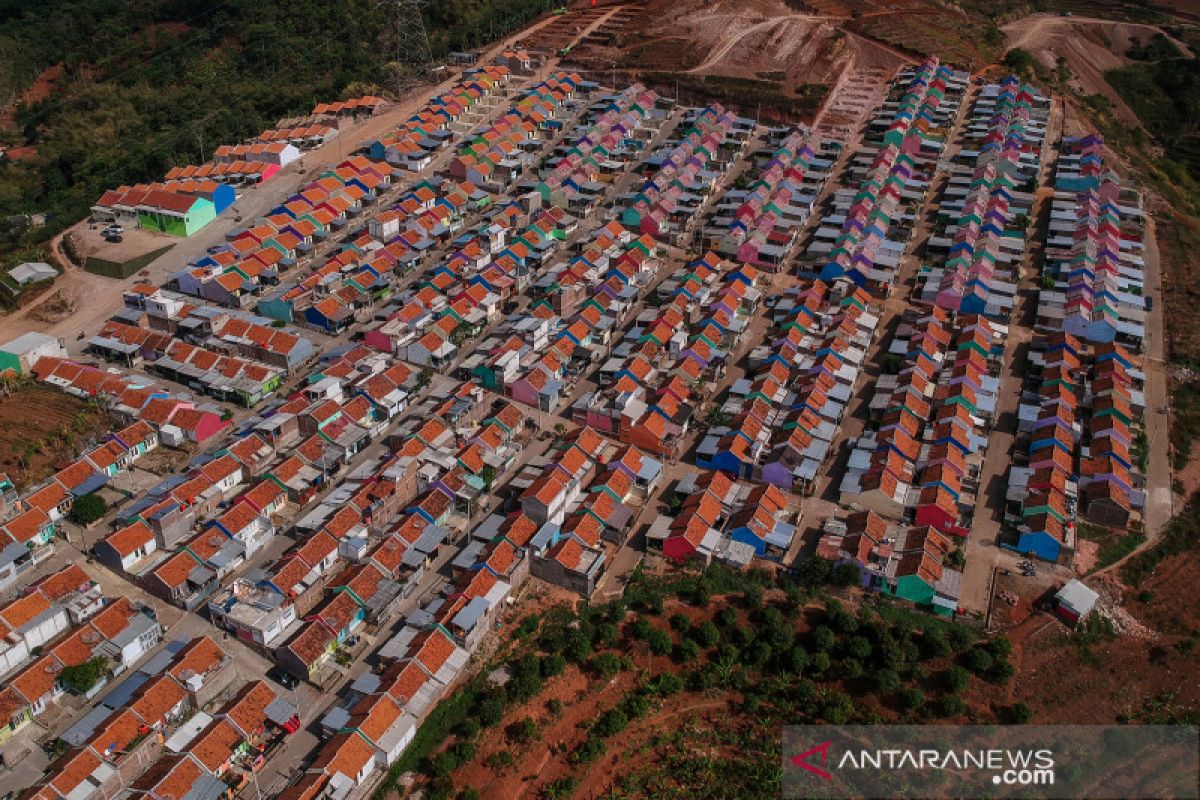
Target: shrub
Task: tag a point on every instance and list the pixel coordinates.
(637, 706)
(667, 683)
(838, 708)
(589, 750)
(611, 723)
(554, 706)
(1016, 714)
(679, 623)
(660, 642)
(706, 634)
(956, 679)
(500, 760)
(887, 681)
(81, 678)
(605, 664)
(910, 697)
(605, 634)
(88, 509)
(687, 651)
(490, 711)
(977, 660)
(949, 705)
(522, 731)
(823, 638)
(553, 664)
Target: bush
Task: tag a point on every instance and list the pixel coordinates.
(578, 647)
(846, 575)
(500, 760)
(605, 634)
(554, 706)
(589, 750)
(88, 509)
(949, 705)
(823, 638)
(687, 651)
(522, 731)
(956, 679)
(605, 665)
(706, 634)
(637, 706)
(552, 665)
(82, 678)
(660, 642)
(668, 683)
(611, 723)
(838, 708)
(679, 623)
(887, 681)
(490, 711)
(1016, 714)
(977, 660)
(910, 697)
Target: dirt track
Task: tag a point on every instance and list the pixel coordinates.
(1090, 46)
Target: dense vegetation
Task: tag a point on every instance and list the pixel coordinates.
(767, 650)
(1165, 94)
(153, 83)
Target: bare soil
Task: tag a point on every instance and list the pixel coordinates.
(30, 423)
(1091, 48)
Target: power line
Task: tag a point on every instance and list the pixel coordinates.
(409, 41)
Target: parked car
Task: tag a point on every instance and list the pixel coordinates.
(285, 679)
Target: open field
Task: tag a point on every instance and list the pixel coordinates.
(41, 428)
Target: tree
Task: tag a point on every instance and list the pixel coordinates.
(659, 641)
(1019, 60)
(956, 679)
(813, 571)
(846, 575)
(605, 664)
(823, 638)
(977, 660)
(522, 731)
(706, 634)
(88, 509)
(82, 678)
(717, 417)
(490, 711)
(1016, 714)
(611, 722)
(488, 476)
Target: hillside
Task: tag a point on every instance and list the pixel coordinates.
(139, 87)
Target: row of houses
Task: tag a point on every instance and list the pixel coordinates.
(176, 727)
(987, 203)
(1095, 252)
(923, 458)
(29, 523)
(412, 145)
(727, 520)
(63, 622)
(1080, 417)
(681, 176)
(178, 208)
(865, 232)
(760, 224)
(784, 415)
(128, 398)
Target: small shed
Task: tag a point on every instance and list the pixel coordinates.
(1074, 601)
(32, 272)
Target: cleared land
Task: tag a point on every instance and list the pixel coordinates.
(40, 428)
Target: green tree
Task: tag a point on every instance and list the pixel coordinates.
(88, 509)
(706, 634)
(522, 731)
(82, 678)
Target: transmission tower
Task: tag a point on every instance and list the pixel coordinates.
(409, 45)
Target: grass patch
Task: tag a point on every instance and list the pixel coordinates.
(1182, 535)
(1114, 545)
(1185, 422)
